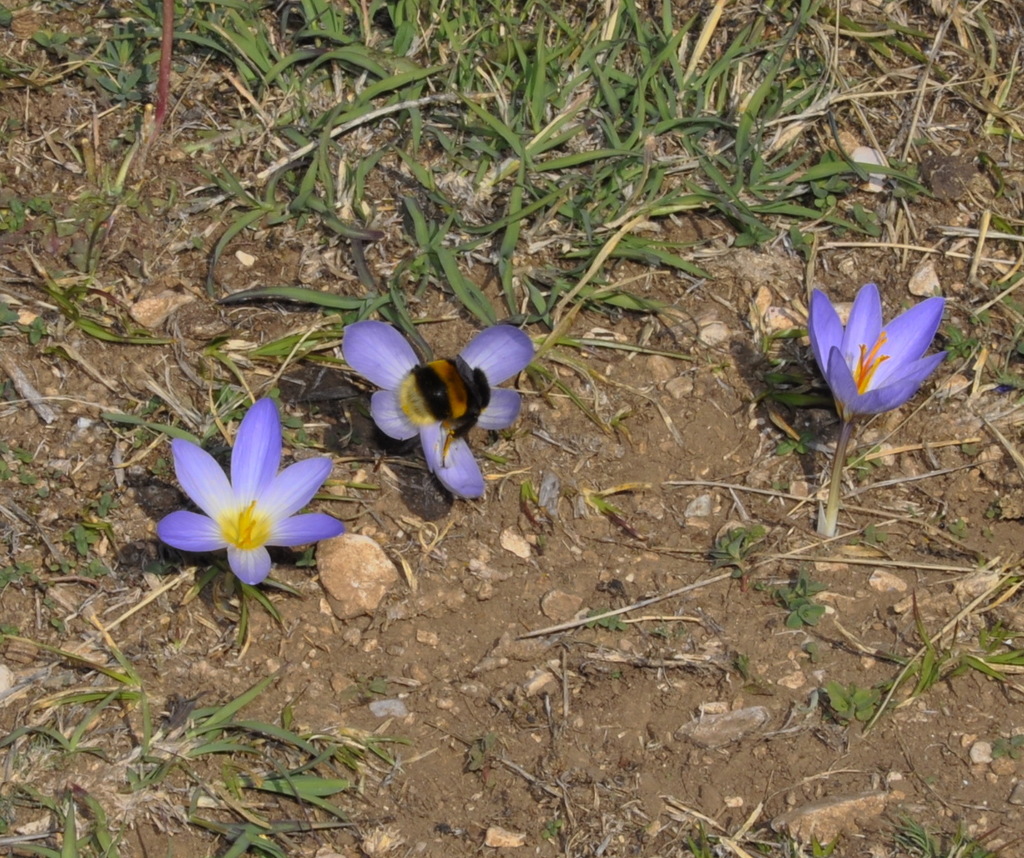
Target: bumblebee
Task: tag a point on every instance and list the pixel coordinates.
(450, 392)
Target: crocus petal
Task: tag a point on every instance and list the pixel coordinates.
(257, 452)
(500, 351)
(301, 529)
(824, 328)
(899, 390)
(851, 403)
(389, 417)
(202, 478)
(250, 566)
(457, 469)
(842, 384)
(293, 488)
(378, 352)
(909, 334)
(502, 410)
(190, 531)
(864, 324)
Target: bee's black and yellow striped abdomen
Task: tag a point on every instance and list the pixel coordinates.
(447, 391)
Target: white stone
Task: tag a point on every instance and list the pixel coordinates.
(679, 387)
(716, 731)
(699, 507)
(885, 582)
(924, 282)
(355, 574)
(825, 820)
(514, 543)
(779, 319)
(390, 708)
(560, 606)
(153, 312)
(6, 678)
(500, 838)
(713, 332)
(981, 752)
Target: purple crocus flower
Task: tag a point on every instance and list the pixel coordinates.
(441, 400)
(257, 507)
(871, 367)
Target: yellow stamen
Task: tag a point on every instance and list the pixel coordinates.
(869, 363)
(245, 528)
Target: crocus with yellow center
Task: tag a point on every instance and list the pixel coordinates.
(256, 507)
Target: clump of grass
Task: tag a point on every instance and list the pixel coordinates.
(918, 842)
(256, 785)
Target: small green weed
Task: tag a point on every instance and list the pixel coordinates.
(851, 702)
(609, 623)
(552, 829)
(1011, 747)
(918, 842)
(875, 536)
(735, 547)
(797, 599)
(34, 331)
(481, 752)
(958, 528)
(800, 446)
(960, 346)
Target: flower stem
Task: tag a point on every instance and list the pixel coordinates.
(828, 519)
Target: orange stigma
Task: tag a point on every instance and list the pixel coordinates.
(869, 363)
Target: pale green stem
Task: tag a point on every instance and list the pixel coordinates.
(828, 519)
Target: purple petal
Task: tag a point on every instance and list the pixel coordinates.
(389, 417)
(257, 452)
(190, 531)
(378, 352)
(293, 488)
(909, 335)
(824, 328)
(852, 403)
(456, 469)
(250, 566)
(842, 384)
(864, 324)
(202, 478)
(500, 351)
(889, 396)
(502, 410)
(302, 529)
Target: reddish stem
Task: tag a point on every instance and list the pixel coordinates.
(163, 82)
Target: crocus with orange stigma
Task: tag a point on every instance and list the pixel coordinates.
(257, 507)
(870, 367)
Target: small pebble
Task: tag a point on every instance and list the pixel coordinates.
(6, 677)
(699, 507)
(885, 582)
(515, 544)
(924, 282)
(390, 708)
(500, 838)
(981, 752)
(713, 332)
